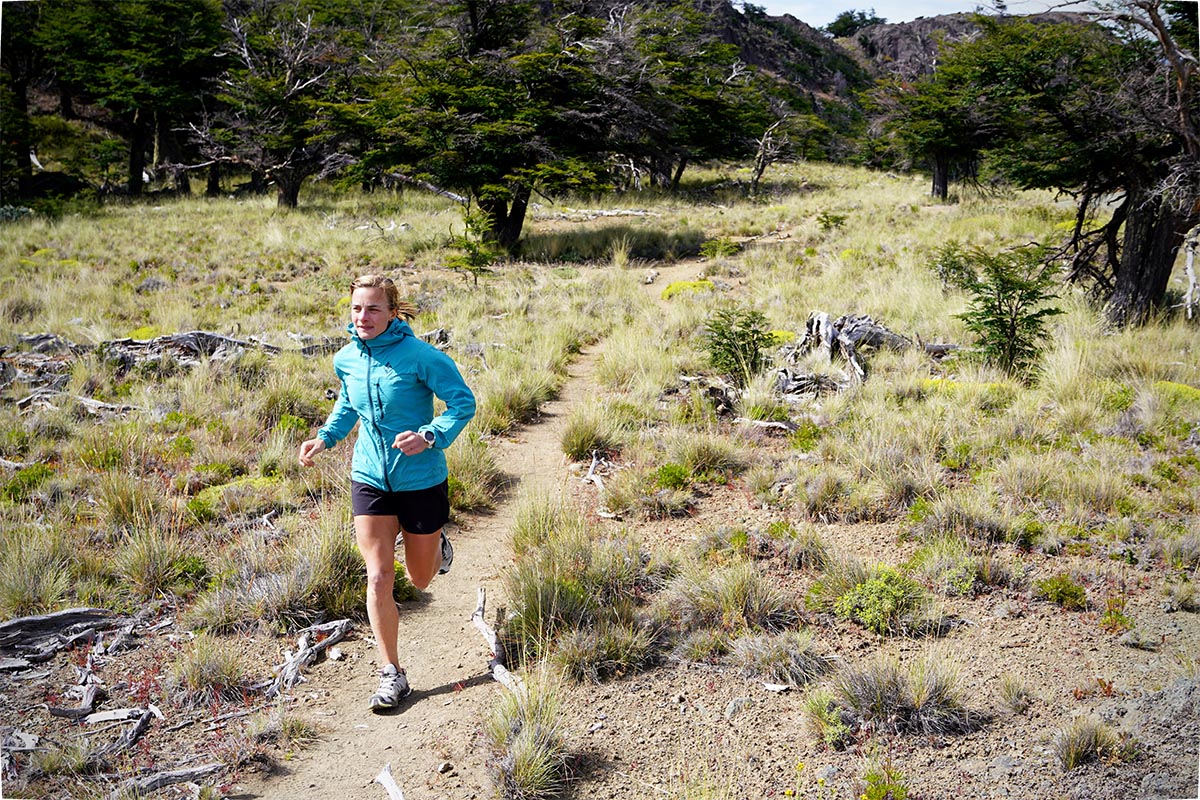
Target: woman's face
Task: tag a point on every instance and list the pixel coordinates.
(369, 311)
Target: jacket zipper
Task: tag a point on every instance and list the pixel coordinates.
(376, 405)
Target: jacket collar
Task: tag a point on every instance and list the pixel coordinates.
(396, 330)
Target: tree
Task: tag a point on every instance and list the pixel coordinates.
(1097, 112)
(146, 61)
(851, 22)
(493, 100)
(277, 105)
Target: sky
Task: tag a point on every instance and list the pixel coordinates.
(819, 13)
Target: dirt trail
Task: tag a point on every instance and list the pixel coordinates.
(432, 742)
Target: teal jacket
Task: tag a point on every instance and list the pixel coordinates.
(388, 384)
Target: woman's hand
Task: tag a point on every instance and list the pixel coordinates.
(410, 443)
(308, 449)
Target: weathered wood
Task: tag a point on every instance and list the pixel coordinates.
(312, 643)
(92, 693)
(1190, 242)
(136, 787)
(497, 666)
(385, 779)
(37, 638)
(785, 425)
(126, 739)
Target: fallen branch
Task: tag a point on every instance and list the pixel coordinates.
(786, 425)
(309, 651)
(92, 693)
(591, 473)
(136, 787)
(496, 665)
(385, 779)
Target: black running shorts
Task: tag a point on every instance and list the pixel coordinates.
(419, 511)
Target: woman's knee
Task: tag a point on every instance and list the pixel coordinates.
(381, 579)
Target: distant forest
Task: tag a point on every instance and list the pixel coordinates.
(493, 102)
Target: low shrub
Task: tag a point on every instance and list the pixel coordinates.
(1064, 591)
(610, 650)
(879, 598)
(1015, 694)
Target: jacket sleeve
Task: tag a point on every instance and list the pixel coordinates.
(341, 419)
(440, 374)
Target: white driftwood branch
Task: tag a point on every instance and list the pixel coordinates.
(385, 779)
(591, 473)
(786, 425)
(499, 670)
(308, 653)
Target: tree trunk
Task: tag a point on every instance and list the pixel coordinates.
(683, 162)
(506, 221)
(137, 155)
(213, 188)
(1153, 235)
(287, 185)
(941, 176)
(22, 143)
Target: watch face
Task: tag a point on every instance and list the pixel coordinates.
(428, 437)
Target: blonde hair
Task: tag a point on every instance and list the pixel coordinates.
(400, 308)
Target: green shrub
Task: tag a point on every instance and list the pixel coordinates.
(24, 482)
(825, 718)
(737, 342)
(1007, 308)
(672, 476)
(679, 287)
(720, 247)
(475, 478)
(886, 602)
(1064, 591)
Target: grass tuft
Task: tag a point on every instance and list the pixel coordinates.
(788, 658)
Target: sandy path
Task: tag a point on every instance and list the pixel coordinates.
(432, 742)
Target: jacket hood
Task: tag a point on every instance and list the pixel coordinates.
(396, 330)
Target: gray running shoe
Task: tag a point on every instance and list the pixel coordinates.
(447, 555)
(393, 687)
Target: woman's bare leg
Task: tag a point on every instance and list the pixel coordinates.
(376, 537)
(422, 556)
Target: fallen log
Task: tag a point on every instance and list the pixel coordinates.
(312, 643)
(38, 638)
(136, 787)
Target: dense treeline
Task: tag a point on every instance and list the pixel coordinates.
(496, 101)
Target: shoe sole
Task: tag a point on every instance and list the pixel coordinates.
(445, 567)
(377, 703)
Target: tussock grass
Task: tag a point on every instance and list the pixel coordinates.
(790, 658)
(153, 562)
(1015, 694)
(595, 427)
(1085, 740)
(206, 671)
(921, 698)
(475, 478)
(733, 598)
(529, 744)
(35, 574)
